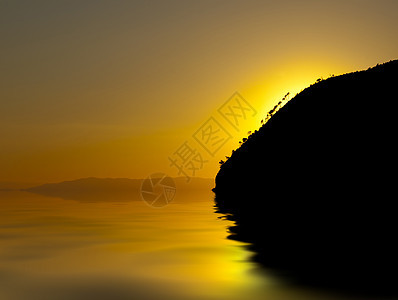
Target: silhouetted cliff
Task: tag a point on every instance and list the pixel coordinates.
(314, 188)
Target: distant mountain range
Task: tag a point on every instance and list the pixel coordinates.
(9, 186)
(110, 189)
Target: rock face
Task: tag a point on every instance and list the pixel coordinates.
(314, 189)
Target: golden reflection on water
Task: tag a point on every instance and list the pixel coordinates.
(61, 249)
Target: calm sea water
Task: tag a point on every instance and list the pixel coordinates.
(52, 248)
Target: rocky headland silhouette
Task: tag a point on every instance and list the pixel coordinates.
(313, 190)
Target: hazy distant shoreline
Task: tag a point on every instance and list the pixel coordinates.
(107, 189)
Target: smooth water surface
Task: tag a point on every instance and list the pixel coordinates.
(53, 248)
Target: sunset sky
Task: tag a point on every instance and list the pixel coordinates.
(114, 88)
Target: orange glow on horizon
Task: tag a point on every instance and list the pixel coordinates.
(114, 99)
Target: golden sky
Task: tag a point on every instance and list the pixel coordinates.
(114, 88)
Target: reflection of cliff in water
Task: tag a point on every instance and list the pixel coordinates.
(313, 190)
(335, 258)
